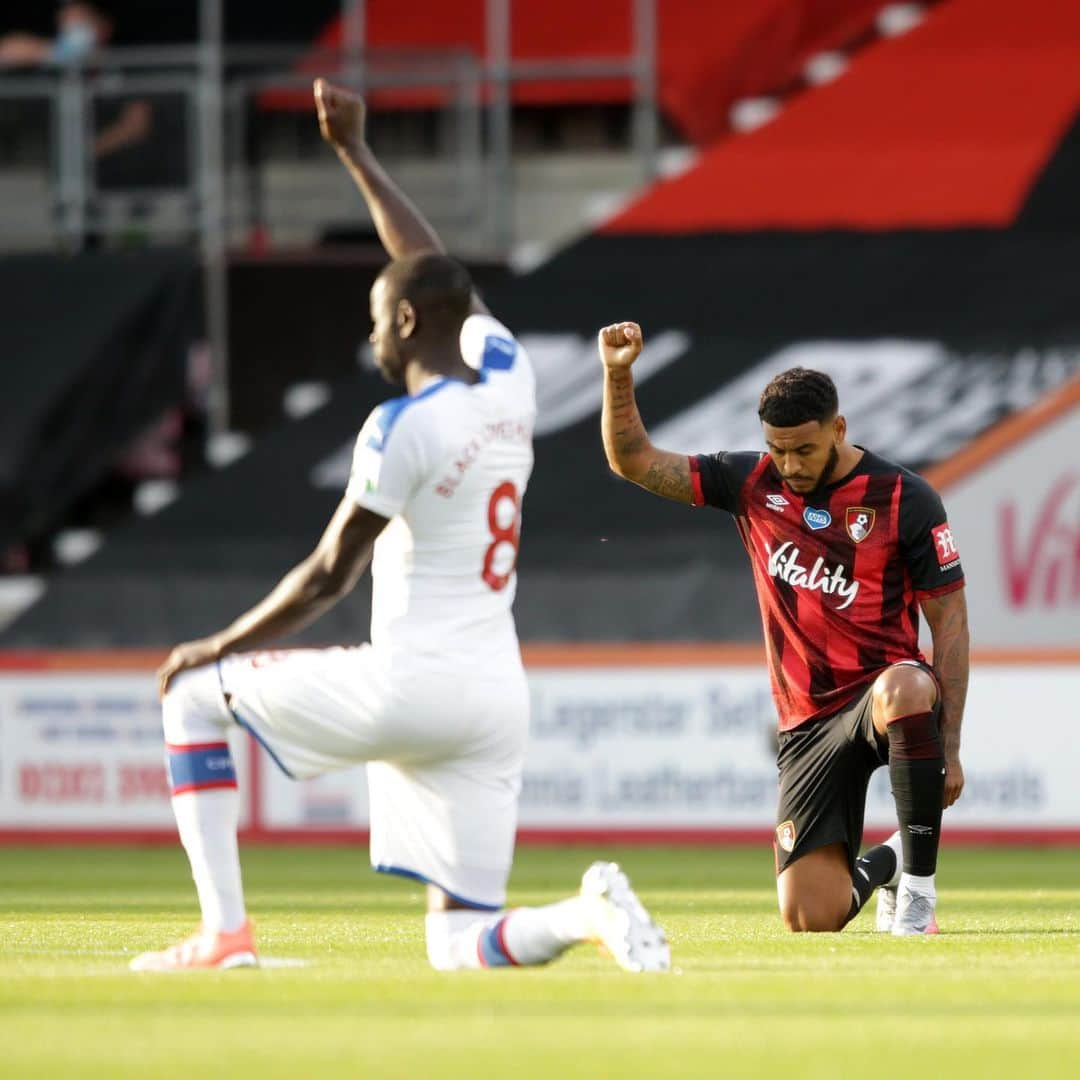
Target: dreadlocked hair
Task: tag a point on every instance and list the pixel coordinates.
(797, 396)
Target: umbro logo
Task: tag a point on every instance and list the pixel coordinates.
(776, 502)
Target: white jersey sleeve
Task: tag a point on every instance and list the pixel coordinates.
(392, 458)
(488, 346)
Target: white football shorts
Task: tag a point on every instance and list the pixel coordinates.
(445, 752)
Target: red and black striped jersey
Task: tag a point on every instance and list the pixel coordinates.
(838, 572)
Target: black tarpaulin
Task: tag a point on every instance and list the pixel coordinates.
(92, 349)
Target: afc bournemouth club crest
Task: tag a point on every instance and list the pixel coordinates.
(859, 521)
(785, 836)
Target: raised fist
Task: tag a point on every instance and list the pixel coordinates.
(620, 344)
(341, 114)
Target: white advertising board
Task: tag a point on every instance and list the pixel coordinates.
(1017, 523)
(1017, 752)
(85, 751)
(692, 748)
(640, 747)
(608, 748)
(611, 748)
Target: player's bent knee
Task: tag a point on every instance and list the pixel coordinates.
(902, 690)
(193, 709)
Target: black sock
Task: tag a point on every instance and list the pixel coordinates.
(872, 869)
(917, 775)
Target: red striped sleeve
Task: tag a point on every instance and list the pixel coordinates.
(698, 498)
(941, 590)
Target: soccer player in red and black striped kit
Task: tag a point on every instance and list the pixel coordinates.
(845, 547)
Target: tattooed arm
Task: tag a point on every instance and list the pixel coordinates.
(947, 618)
(626, 442)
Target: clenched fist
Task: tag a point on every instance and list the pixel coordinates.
(341, 115)
(620, 344)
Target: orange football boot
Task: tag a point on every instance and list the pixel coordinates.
(222, 950)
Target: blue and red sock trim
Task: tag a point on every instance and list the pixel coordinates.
(491, 946)
(199, 767)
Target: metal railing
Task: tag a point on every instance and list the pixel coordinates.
(221, 195)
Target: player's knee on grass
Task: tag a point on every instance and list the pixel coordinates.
(814, 914)
(193, 710)
(902, 690)
(815, 891)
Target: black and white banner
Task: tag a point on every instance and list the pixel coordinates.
(931, 337)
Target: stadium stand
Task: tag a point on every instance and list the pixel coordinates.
(949, 125)
(709, 55)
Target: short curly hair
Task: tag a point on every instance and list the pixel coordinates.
(797, 396)
(437, 286)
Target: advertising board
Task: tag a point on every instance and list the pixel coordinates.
(619, 747)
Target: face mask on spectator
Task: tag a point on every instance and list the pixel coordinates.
(76, 41)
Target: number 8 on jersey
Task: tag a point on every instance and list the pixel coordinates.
(504, 521)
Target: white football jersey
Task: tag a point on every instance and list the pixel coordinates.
(449, 466)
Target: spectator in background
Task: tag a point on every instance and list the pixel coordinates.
(123, 126)
(81, 29)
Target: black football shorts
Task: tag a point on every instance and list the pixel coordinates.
(825, 769)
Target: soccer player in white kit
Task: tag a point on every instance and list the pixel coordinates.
(437, 704)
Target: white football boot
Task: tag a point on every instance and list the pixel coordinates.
(914, 911)
(886, 894)
(620, 922)
(886, 909)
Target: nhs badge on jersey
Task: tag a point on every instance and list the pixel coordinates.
(817, 519)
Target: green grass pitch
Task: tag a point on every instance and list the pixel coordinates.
(997, 994)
